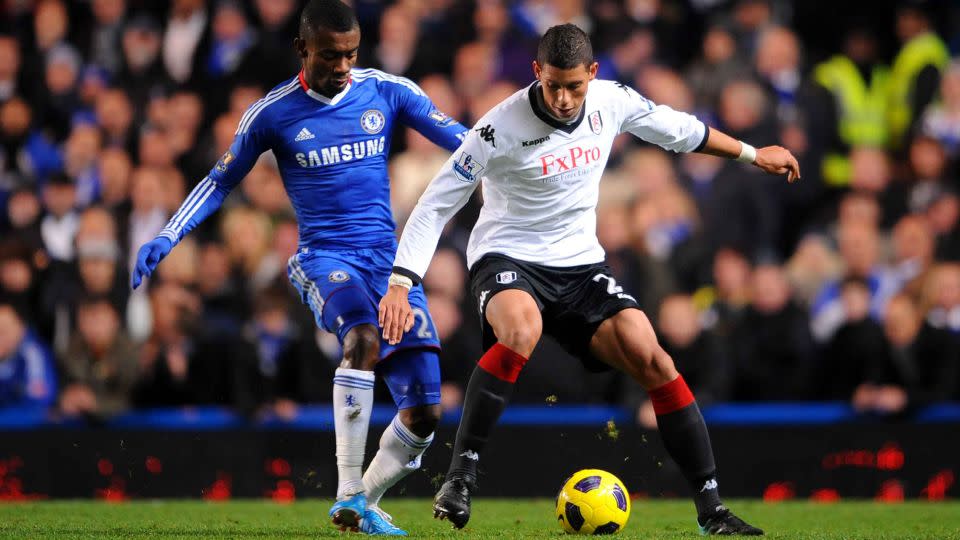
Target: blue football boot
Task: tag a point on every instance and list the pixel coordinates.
(377, 522)
(346, 513)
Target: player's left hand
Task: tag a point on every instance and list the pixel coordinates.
(148, 258)
(778, 160)
(396, 317)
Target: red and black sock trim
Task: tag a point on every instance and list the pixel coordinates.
(488, 393)
(502, 362)
(685, 437)
(671, 397)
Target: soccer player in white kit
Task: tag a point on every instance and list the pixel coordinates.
(536, 264)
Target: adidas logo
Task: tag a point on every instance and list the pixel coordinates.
(304, 135)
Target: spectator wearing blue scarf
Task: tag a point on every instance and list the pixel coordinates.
(27, 377)
(232, 38)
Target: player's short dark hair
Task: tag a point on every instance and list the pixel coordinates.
(331, 15)
(565, 46)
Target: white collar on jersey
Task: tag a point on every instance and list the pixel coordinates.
(322, 98)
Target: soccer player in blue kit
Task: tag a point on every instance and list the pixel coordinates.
(330, 128)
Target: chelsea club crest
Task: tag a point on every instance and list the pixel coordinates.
(338, 276)
(372, 121)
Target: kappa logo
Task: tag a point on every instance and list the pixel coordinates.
(483, 299)
(304, 135)
(505, 278)
(710, 484)
(487, 133)
(535, 142)
(471, 455)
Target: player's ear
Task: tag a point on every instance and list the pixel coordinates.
(593, 70)
(300, 45)
(536, 70)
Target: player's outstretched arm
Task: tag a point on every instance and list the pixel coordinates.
(682, 132)
(449, 190)
(204, 200)
(249, 142)
(771, 159)
(419, 112)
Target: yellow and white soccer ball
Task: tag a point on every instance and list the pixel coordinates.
(593, 502)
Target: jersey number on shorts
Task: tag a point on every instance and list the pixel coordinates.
(423, 330)
(612, 287)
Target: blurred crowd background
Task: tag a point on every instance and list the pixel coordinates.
(845, 286)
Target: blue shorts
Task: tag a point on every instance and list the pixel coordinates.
(343, 289)
(413, 377)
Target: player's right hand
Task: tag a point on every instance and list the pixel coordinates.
(148, 258)
(396, 317)
(778, 160)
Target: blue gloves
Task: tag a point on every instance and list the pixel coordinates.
(148, 258)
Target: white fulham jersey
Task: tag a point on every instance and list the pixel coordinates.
(540, 177)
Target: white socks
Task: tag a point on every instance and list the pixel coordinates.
(352, 406)
(399, 455)
(400, 449)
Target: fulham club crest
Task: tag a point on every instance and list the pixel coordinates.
(596, 123)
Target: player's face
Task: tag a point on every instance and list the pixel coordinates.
(328, 58)
(564, 89)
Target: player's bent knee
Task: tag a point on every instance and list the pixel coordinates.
(645, 358)
(521, 339)
(654, 369)
(515, 319)
(361, 348)
(421, 420)
(519, 332)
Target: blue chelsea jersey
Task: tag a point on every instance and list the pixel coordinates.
(332, 154)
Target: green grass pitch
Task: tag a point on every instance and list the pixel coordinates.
(493, 518)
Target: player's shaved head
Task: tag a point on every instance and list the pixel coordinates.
(565, 46)
(328, 44)
(330, 15)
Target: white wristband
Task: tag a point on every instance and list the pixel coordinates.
(748, 154)
(401, 281)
